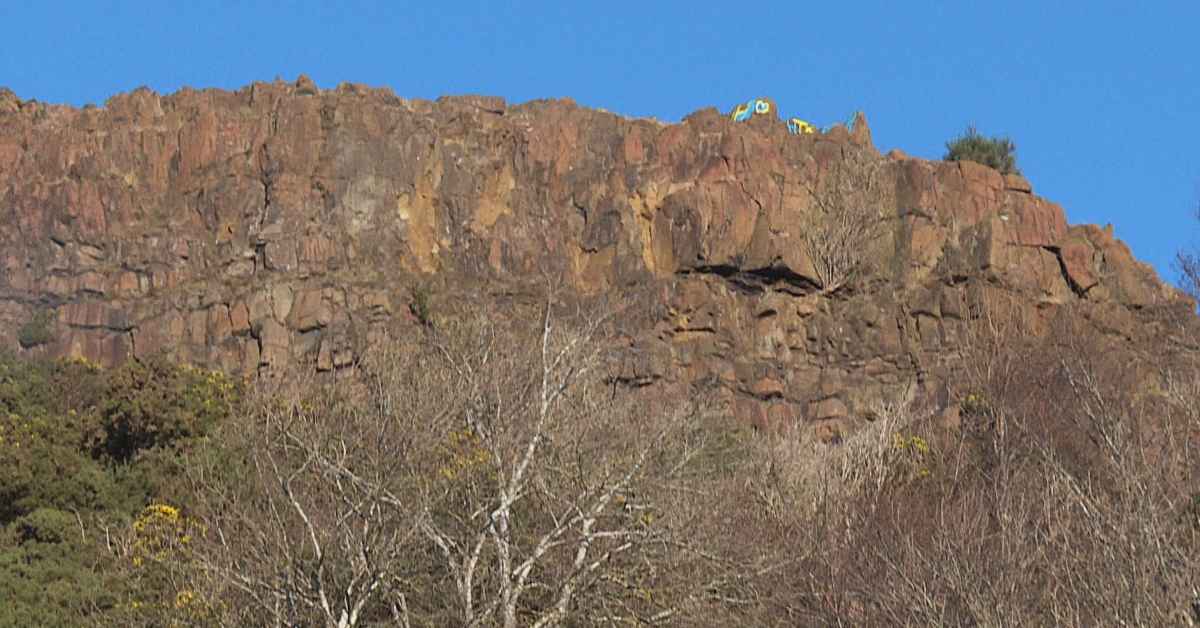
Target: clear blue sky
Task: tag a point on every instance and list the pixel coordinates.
(1101, 98)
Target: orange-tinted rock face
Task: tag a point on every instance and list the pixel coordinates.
(283, 224)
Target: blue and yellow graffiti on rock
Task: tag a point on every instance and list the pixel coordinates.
(800, 127)
(742, 112)
(760, 106)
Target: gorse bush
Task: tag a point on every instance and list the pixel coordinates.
(83, 451)
(156, 403)
(994, 152)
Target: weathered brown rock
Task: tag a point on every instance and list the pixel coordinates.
(306, 87)
(1017, 183)
(860, 133)
(282, 224)
(831, 408)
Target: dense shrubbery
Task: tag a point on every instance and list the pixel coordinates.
(994, 152)
(157, 403)
(82, 451)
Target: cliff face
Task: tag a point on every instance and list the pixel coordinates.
(281, 224)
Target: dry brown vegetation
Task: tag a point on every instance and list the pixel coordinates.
(1065, 497)
(479, 475)
(845, 220)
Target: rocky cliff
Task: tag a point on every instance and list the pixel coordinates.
(283, 224)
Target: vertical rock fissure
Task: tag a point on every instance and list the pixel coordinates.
(1062, 268)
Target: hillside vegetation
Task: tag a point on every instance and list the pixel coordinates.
(90, 463)
(477, 474)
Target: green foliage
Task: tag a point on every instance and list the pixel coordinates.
(41, 460)
(54, 572)
(994, 152)
(82, 451)
(35, 332)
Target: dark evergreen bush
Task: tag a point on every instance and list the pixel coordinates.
(81, 451)
(36, 332)
(994, 152)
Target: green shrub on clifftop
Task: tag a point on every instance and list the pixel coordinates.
(994, 152)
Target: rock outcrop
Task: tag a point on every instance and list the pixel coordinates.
(283, 224)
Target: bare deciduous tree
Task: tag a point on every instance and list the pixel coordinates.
(1187, 265)
(477, 476)
(310, 514)
(845, 221)
(550, 509)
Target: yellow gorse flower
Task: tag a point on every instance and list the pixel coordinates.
(912, 451)
(162, 534)
(91, 366)
(975, 403)
(464, 450)
(912, 443)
